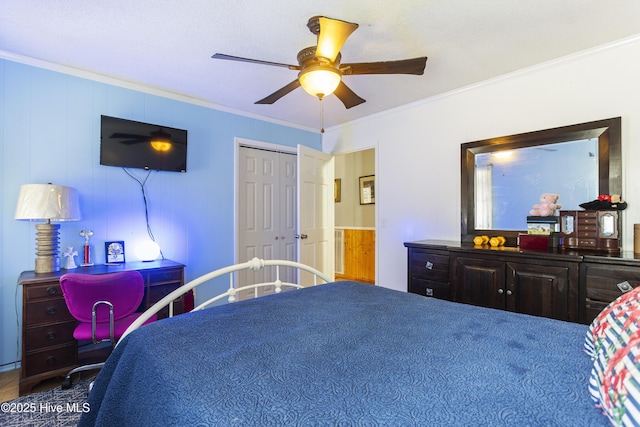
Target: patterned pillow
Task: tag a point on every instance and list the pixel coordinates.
(614, 324)
(615, 383)
(613, 342)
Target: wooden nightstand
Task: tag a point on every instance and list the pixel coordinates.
(48, 347)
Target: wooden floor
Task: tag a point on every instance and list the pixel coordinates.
(9, 385)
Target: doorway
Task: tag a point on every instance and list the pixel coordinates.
(355, 216)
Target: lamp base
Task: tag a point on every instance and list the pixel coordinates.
(47, 247)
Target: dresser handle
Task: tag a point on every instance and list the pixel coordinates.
(51, 290)
(51, 336)
(429, 265)
(50, 360)
(501, 291)
(51, 311)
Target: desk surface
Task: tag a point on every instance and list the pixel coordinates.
(33, 277)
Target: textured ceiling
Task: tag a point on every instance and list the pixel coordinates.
(168, 44)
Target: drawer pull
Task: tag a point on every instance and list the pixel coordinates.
(501, 291)
(429, 265)
(51, 311)
(51, 336)
(51, 360)
(51, 290)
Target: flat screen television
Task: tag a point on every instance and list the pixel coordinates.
(131, 144)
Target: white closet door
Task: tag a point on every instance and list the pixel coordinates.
(267, 210)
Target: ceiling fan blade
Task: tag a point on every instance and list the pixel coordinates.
(279, 93)
(333, 33)
(134, 141)
(347, 96)
(254, 61)
(406, 66)
(118, 135)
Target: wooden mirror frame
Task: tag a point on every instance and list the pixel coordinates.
(607, 131)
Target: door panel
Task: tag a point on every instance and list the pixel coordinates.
(316, 211)
(539, 291)
(266, 212)
(480, 282)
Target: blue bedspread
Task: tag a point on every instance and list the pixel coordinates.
(347, 354)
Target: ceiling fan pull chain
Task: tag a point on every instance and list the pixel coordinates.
(321, 116)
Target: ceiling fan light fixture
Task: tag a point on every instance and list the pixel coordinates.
(161, 146)
(320, 80)
(160, 141)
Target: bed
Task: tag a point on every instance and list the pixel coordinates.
(347, 353)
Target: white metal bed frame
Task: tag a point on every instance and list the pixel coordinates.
(254, 264)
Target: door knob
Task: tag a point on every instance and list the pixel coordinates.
(301, 236)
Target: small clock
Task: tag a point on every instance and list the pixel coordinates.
(114, 252)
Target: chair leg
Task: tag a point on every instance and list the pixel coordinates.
(66, 383)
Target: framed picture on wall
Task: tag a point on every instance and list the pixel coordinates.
(367, 190)
(114, 252)
(337, 190)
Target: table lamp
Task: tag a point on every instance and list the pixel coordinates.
(47, 203)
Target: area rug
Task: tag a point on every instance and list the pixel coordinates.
(55, 407)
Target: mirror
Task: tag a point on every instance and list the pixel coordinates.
(502, 178)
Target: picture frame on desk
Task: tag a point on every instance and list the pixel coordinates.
(114, 252)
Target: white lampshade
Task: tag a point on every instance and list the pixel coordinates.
(47, 202)
(148, 250)
(319, 80)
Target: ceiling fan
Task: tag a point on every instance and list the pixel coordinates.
(320, 70)
(159, 140)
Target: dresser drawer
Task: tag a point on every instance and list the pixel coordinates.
(47, 290)
(429, 265)
(156, 293)
(586, 243)
(587, 215)
(50, 359)
(168, 275)
(602, 282)
(429, 288)
(46, 311)
(49, 336)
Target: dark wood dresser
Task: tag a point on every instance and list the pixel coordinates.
(566, 285)
(48, 347)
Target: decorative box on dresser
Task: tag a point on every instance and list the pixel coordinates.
(48, 347)
(566, 285)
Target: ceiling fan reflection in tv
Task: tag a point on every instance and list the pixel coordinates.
(131, 144)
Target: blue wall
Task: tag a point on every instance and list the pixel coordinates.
(49, 132)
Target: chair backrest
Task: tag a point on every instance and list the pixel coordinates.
(124, 290)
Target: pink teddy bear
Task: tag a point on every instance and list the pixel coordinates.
(547, 205)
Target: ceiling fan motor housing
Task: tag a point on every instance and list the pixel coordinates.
(307, 57)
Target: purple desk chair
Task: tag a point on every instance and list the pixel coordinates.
(104, 306)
